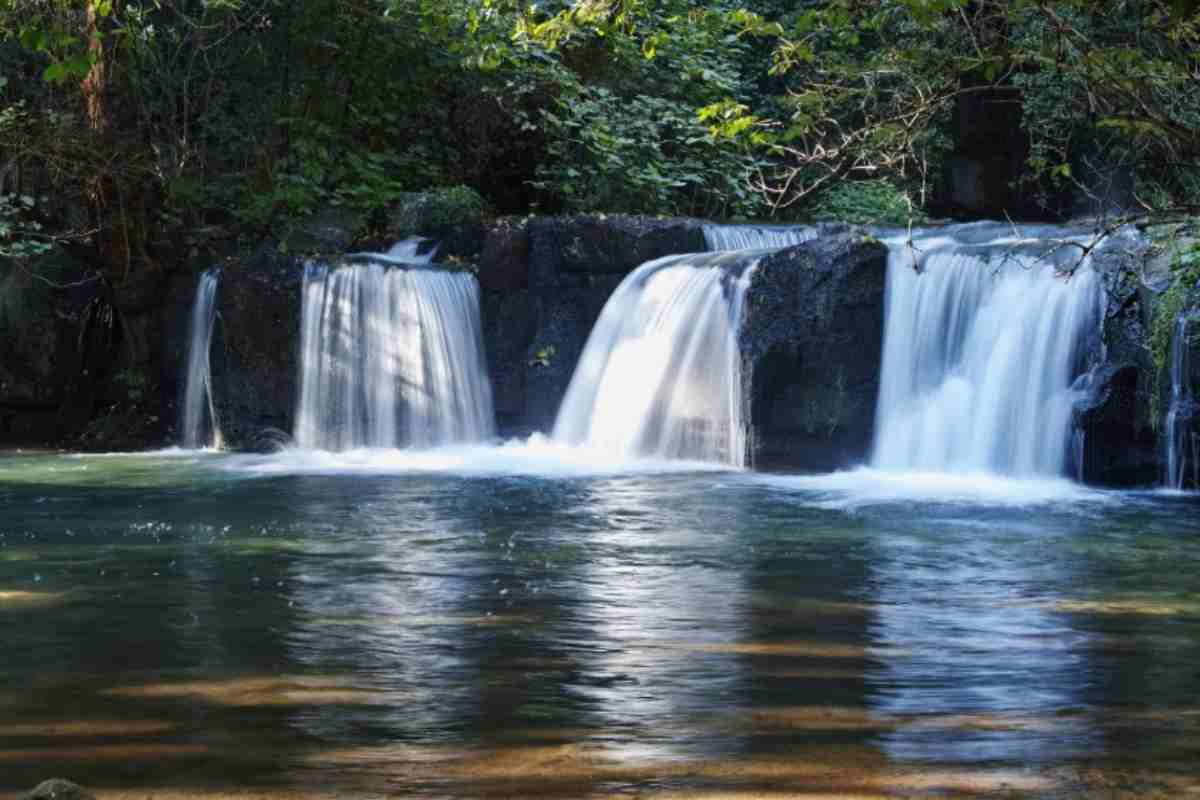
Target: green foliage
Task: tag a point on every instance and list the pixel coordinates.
(453, 205)
(1185, 269)
(1105, 90)
(223, 115)
(20, 232)
(544, 356)
(876, 202)
(640, 154)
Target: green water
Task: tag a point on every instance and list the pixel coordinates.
(206, 621)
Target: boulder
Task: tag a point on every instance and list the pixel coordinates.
(57, 789)
(812, 347)
(256, 345)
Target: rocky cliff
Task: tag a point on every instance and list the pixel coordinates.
(95, 366)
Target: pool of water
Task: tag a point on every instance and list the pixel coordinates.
(525, 620)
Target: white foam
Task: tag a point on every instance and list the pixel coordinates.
(535, 457)
(862, 488)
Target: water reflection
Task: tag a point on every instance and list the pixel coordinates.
(658, 603)
(974, 665)
(491, 634)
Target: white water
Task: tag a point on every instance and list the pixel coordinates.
(391, 357)
(199, 425)
(660, 376)
(1181, 442)
(756, 237)
(535, 456)
(983, 342)
(859, 489)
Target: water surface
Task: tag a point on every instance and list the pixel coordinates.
(527, 620)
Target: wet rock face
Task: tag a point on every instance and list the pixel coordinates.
(1121, 438)
(256, 346)
(812, 348)
(545, 281)
(40, 328)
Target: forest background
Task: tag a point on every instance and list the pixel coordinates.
(133, 132)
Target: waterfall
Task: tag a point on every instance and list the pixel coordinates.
(755, 237)
(1180, 442)
(984, 337)
(199, 424)
(391, 355)
(660, 375)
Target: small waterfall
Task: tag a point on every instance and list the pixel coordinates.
(391, 355)
(757, 237)
(661, 373)
(199, 425)
(985, 335)
(1180, 441)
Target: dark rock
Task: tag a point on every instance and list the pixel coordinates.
(267, 440)
(1115, 415)
(546, 256)
(40, 329)
(564, 322)
(57, 789)
(619, 243)
(504, 263)
(812, 347)
(509, 325)
(329, 230)
(256, 343)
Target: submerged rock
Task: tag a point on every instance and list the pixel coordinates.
(267, 440)
(57, 789)
(812, 347)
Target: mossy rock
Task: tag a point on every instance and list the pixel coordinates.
(454, 216)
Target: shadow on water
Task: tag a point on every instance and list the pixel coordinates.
(175, 631)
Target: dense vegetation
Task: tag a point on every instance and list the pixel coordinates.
(139, 130)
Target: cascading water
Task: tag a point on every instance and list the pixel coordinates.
(753, 237)
(391, 355)
(985, 335)
(661, 373)
(1180, 440)
(199, 424)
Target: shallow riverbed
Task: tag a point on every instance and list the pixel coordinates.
(527, 620)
